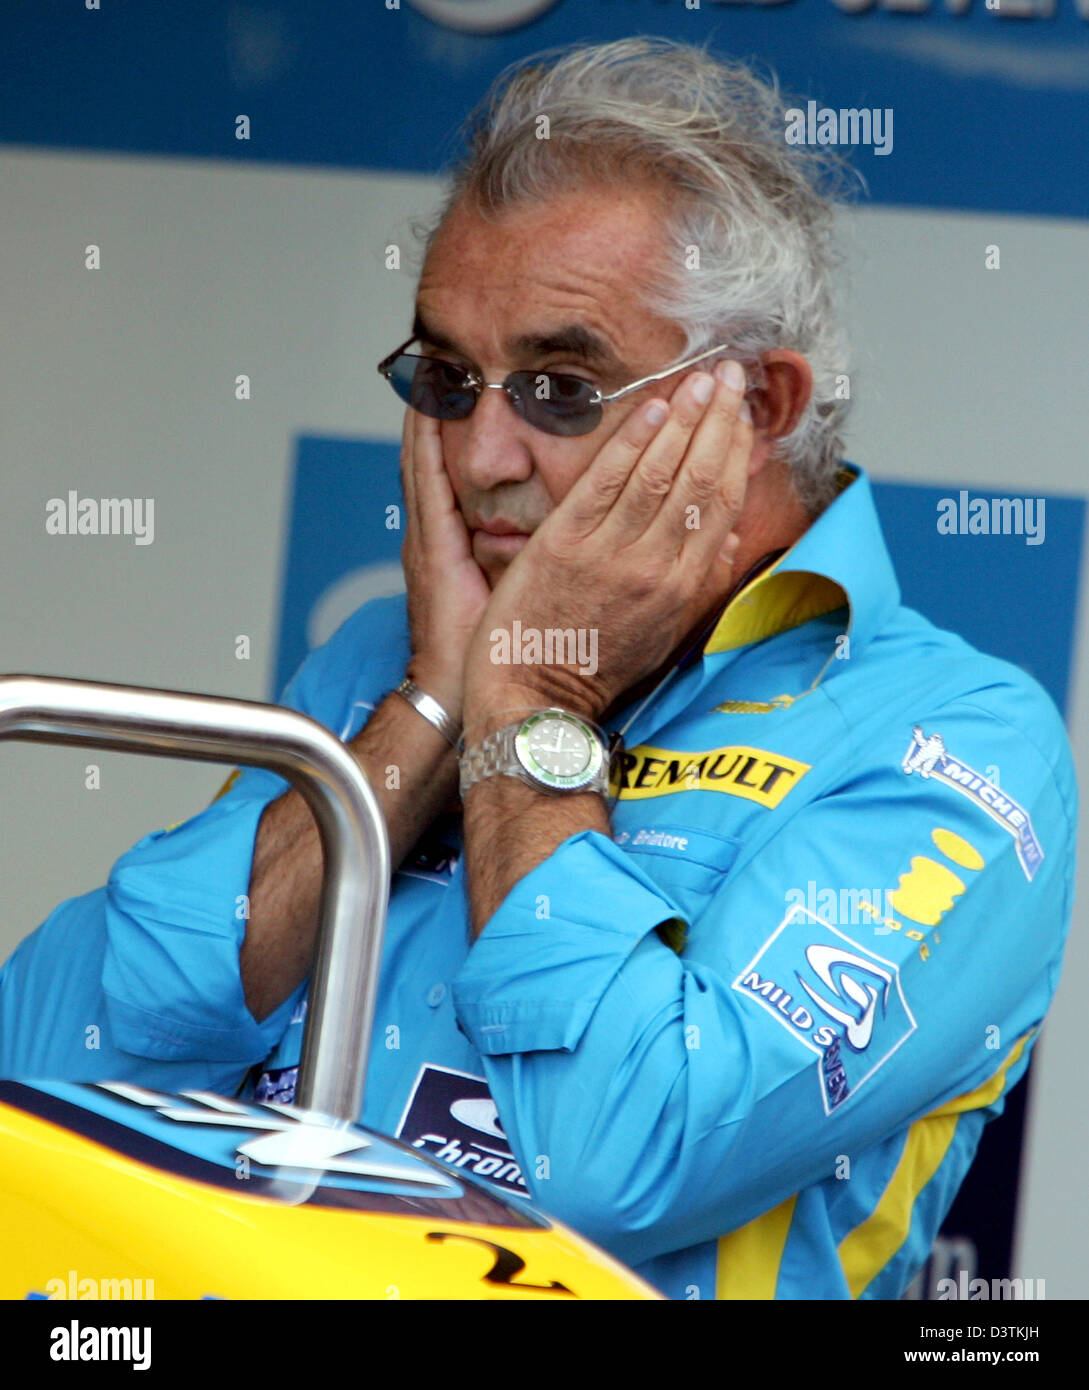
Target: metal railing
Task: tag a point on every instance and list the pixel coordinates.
(355, 891)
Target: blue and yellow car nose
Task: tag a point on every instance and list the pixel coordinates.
(106, 1186)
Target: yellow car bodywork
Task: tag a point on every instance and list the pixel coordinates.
(83, 1218)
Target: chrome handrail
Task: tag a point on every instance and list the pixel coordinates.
(212, 728)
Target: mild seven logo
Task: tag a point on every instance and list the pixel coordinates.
(840, 1000)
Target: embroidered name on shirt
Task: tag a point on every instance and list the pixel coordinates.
(752, 773)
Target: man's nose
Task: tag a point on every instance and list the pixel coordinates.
(492, 445)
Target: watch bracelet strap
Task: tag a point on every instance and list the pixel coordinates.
(492, 756)
(495, 754)
(432, 711)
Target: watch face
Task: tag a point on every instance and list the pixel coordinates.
(558, 750)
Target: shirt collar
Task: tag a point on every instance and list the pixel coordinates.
(841, 559)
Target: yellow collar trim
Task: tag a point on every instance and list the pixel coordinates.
(786, 599)
(774, 602)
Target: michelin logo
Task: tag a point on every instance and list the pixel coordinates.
(927, 756)
(840, 1000)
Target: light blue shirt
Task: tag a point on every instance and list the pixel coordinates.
(748, 1043)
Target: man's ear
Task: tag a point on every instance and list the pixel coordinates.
(778, 404)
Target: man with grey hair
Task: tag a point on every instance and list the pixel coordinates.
(639, 731)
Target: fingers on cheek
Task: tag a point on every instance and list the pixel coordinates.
(721, 416)
(742, 423)
(731, 496)
(636, 435)
(657, 475)
(652, 416)
(685, 418)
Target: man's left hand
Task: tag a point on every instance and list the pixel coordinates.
(631, 559)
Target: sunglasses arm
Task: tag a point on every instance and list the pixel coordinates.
(659, 376)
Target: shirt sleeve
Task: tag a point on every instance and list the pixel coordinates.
(176, 905)
(656, 1100)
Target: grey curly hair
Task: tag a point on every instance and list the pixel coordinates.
(760, 212)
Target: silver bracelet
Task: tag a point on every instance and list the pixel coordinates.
(432, 711)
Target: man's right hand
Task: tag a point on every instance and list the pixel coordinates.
(447, 590)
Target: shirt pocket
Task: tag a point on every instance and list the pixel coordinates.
(689, 863)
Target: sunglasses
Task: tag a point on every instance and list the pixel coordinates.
(550, 401)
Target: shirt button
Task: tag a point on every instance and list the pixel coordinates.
(435, 995)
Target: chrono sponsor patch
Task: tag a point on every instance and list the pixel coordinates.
(451, 1116)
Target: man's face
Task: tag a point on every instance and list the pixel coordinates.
(583, 260)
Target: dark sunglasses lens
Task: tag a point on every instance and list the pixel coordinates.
(438, 389)
(555, 403)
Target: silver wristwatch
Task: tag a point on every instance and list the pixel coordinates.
(550, 748)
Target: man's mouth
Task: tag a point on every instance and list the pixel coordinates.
(487, 546)
(496, 540)
(498, 528)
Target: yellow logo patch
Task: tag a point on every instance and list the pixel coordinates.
(755, 706)
(927, 891)
(752, 773)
